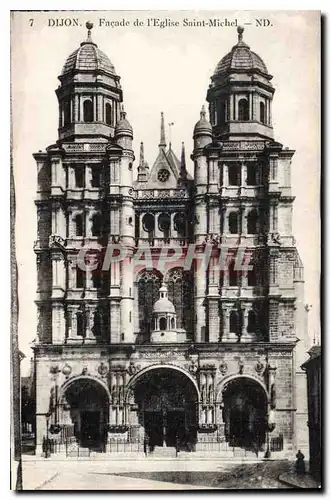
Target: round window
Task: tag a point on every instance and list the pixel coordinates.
(163, 175)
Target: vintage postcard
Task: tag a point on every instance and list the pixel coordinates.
(166, 229)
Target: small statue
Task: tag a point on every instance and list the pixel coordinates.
(300, 463)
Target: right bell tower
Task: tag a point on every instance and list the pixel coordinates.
(240, 95)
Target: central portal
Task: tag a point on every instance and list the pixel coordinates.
(167, 402)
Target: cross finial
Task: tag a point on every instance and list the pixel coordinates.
(203, 112)
(89, 26)
(240, 31)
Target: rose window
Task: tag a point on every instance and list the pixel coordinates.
(163, 175)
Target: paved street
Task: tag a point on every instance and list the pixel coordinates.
(146, 474)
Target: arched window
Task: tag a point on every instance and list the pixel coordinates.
(88, 110)
(180, 224)
(234, 322)
(149, 224)
(172, 323)
(251, 324)
(66, 112)
(79, 225)
(243, 110)
(164, 224)
(252, 219)
(234, 174)
(96, 225)
(180, 293)
(148, 285)
(163, 324)
(109, 118)
(234, 223)
(262, 112)
(233, 275)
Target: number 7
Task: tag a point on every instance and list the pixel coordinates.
(31, 21)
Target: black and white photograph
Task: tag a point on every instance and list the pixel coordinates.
(166, 238)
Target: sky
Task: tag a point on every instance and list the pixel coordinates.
(166, 69)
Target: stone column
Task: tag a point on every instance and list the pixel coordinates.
(243, 174)
(200, 282)
(127, 320)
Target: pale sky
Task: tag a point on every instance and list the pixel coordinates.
(167, 70)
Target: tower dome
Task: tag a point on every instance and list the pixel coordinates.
(89, 95)
(88, 57)
(241, 58)
(202, 133)
(240, 96)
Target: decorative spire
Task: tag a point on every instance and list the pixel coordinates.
(141, 157)
(163, 143)
(183, 172)
(203, 113)
(143, 166)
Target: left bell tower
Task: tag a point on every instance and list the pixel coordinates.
(89, 94)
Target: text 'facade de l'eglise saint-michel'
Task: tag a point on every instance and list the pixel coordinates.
(200, 360)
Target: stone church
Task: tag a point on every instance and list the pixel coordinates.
(201, 358)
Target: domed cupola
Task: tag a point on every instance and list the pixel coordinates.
(164, 318)
(89, 95)
(240, 95)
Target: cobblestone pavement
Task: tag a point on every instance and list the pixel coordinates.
(148, 474)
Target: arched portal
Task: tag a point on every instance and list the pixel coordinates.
(167, 403)
(85, 405)
(245, 413)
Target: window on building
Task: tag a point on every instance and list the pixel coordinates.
(222, 112)
(109, 117)
(163, 324)
(233, 274)
(180, 293)
(96, 279)
(149, 224)
(252, 275)
(243, 110)
(88, 110)
(251, 324)
(80, 278)
(96, 225)
(251, 175)
(234, 222)
(79, 225)
(234, 175)
(79, 177)
(80, 323)
(252, 219)
(180, 224)
(172, 323)
(66, 112)
(234, 322)
(96, 177)
(164, 224)
(148, 285)
(262, 113)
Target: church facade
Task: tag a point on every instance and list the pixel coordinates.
(194, 336)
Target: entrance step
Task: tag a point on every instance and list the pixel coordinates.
(163, 452)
